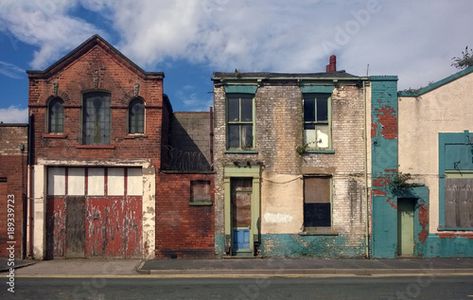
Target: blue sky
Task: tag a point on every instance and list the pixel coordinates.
(189, 39)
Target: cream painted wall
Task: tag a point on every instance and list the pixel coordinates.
(445, 109)
(281, 210)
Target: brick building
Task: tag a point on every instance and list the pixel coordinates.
(13, 189)
(100, 124)
(292, 160)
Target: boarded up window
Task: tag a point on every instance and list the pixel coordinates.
(317, 207)
(135, 182)
(95, 182)
(200, 191)
(56, 181)
(116, 182)
(459, 203)
(76, 181)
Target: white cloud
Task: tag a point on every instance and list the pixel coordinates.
(14, 114)
(188, 96)
(11, 70)
(46, 24)
(412, 39)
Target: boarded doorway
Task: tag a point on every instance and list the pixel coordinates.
(406, 209)
(241, 190)
(75, 227)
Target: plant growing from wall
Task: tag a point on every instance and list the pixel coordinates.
(401, 182)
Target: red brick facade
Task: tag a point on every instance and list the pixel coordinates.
(13, 177)
(183, 229)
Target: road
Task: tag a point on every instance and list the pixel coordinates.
(271, 288)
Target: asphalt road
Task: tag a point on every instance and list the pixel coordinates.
(273, 288)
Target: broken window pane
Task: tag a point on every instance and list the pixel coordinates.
(322, 136)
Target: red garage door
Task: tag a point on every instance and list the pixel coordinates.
(94, 212)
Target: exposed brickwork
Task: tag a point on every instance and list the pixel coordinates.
(13, 168)
(182, 230)
(97, 69)
(279, 131)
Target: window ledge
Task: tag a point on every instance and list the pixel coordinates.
(95, 147)
(236, 151)
(54, 136)
(455, 229)
(319, 231)
(201, 203)
(136, 136)
(319, 151)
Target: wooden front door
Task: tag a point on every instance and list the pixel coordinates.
(406, 209)
(75, 227)
(241, 190)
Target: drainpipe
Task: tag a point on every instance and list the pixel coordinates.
(365, 136)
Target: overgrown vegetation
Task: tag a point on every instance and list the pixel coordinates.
(402, 181)
(465, 60)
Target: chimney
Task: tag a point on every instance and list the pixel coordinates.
(332, 65)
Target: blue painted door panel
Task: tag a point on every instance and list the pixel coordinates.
(241, 239)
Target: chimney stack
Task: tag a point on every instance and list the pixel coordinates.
(332, 65)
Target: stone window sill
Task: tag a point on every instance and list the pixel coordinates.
(54, 136)
(319, 151)
(201, 203)
(136, 136)
(318, 231)
(237, 151)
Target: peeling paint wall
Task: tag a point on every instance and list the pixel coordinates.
(421, 119)
(278, 132)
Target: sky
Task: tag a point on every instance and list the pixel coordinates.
(190, 39)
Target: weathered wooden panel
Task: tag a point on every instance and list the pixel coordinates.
(75, 229)
(114, 226)
(116, 181)
(76, 181)
(459, 202)
(55, 227)
(95, 181)
(241, 202)
(56, 181)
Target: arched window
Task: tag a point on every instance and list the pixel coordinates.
(56, 116)
(96, 118)
(136, 116)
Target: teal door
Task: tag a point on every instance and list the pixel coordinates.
(406, 244)
(241, 190)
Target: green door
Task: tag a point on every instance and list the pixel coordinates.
(406, 226)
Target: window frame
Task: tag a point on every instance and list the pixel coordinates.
(240, 123)
(200, 202)
(135, 101)
(82, 120)
(321, 229)
(51, 102)
(316, 123)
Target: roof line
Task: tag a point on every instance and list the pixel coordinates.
(84, 47)
(435, 85)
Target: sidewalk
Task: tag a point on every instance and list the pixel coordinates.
(310, 266)
(246, 268)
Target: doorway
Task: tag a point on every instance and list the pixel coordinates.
(241, 191)
(406, 209)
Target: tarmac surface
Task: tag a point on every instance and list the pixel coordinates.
(241, 268)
